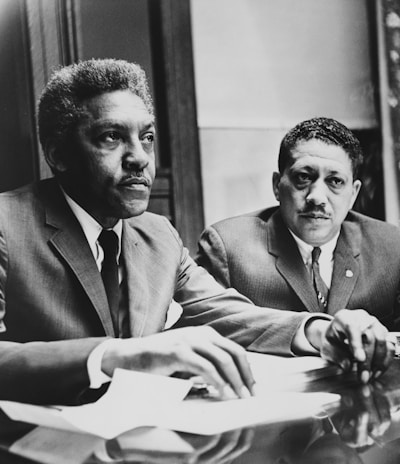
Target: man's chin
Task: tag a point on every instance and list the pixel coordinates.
(133, 210)
(317, 241)
(315, 237)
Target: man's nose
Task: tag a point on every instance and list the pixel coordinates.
(317, 193)
(135, 157)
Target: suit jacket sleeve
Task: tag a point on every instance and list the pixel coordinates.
(41, 372)
(212, 256)
(206, 302)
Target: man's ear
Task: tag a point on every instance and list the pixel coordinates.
(55, 157)
(276, 179)
(356, 190)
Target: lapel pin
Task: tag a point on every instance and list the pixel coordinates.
(349, 273)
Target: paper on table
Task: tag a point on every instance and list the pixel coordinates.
(275, 373)
(136, 399)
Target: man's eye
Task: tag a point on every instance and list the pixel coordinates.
(301, 177)
(110, 137)
(148, 138)
(336, 181)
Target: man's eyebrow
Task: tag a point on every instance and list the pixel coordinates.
(305, 167)
(149, 124)
(336, 172)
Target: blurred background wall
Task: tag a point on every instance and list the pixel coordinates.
(263, 66)
(229, 78)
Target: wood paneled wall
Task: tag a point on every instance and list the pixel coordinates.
(38, 35)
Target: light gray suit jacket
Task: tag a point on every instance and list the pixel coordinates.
(54, 308)
(256, 254)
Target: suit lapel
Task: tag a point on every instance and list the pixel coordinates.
(346, 268)
(136, 279)
(289, 262)
(70, 242)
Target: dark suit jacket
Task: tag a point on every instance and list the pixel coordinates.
(256, 254)
(54, 307)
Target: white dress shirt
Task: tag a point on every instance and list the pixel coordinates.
(325, 261)
(92, 229)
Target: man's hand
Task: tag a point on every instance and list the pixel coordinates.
(353, 336)
(194, 350)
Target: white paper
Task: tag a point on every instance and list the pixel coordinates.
(46, 416)
(135, 399)
(275, 373)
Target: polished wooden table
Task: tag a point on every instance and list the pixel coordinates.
(363, 428)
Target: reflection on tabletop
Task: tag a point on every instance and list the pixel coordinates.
(363, 427)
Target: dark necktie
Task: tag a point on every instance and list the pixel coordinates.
(108, 240)
(320, 287)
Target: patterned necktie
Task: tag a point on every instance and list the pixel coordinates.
(108, 240)
(321, 289)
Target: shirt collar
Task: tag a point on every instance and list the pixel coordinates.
(305, 249)
(91, 228)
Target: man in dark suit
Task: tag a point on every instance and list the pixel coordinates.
(87, 276)
(268, 255)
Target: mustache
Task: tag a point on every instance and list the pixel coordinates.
(136, 177)
(316, 210)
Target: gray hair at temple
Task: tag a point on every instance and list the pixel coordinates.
(326, 130)
(61, 103)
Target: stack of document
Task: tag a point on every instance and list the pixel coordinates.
(275, 373)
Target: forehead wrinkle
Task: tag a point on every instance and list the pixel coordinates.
(122, 123)
(313, 168)
(305, 160)
(313, 148)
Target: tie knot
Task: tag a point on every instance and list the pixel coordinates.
(315, 254)
(108, 240)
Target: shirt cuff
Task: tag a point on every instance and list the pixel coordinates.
(300, 344)
(97, 377)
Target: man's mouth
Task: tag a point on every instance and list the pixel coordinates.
(311, 215)
(135, 182)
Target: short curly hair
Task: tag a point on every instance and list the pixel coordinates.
(61, 103)
(328, 131)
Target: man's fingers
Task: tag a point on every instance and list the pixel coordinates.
(335, 347)
(358, 336)
(364, 367)
(383, 353)
(337, 354)
(378, 352)
(188, 360)
(220, 362)
(239, 357)
(365, 337)
(226, 367)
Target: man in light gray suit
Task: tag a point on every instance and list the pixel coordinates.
(87, 276)
(268, 255)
